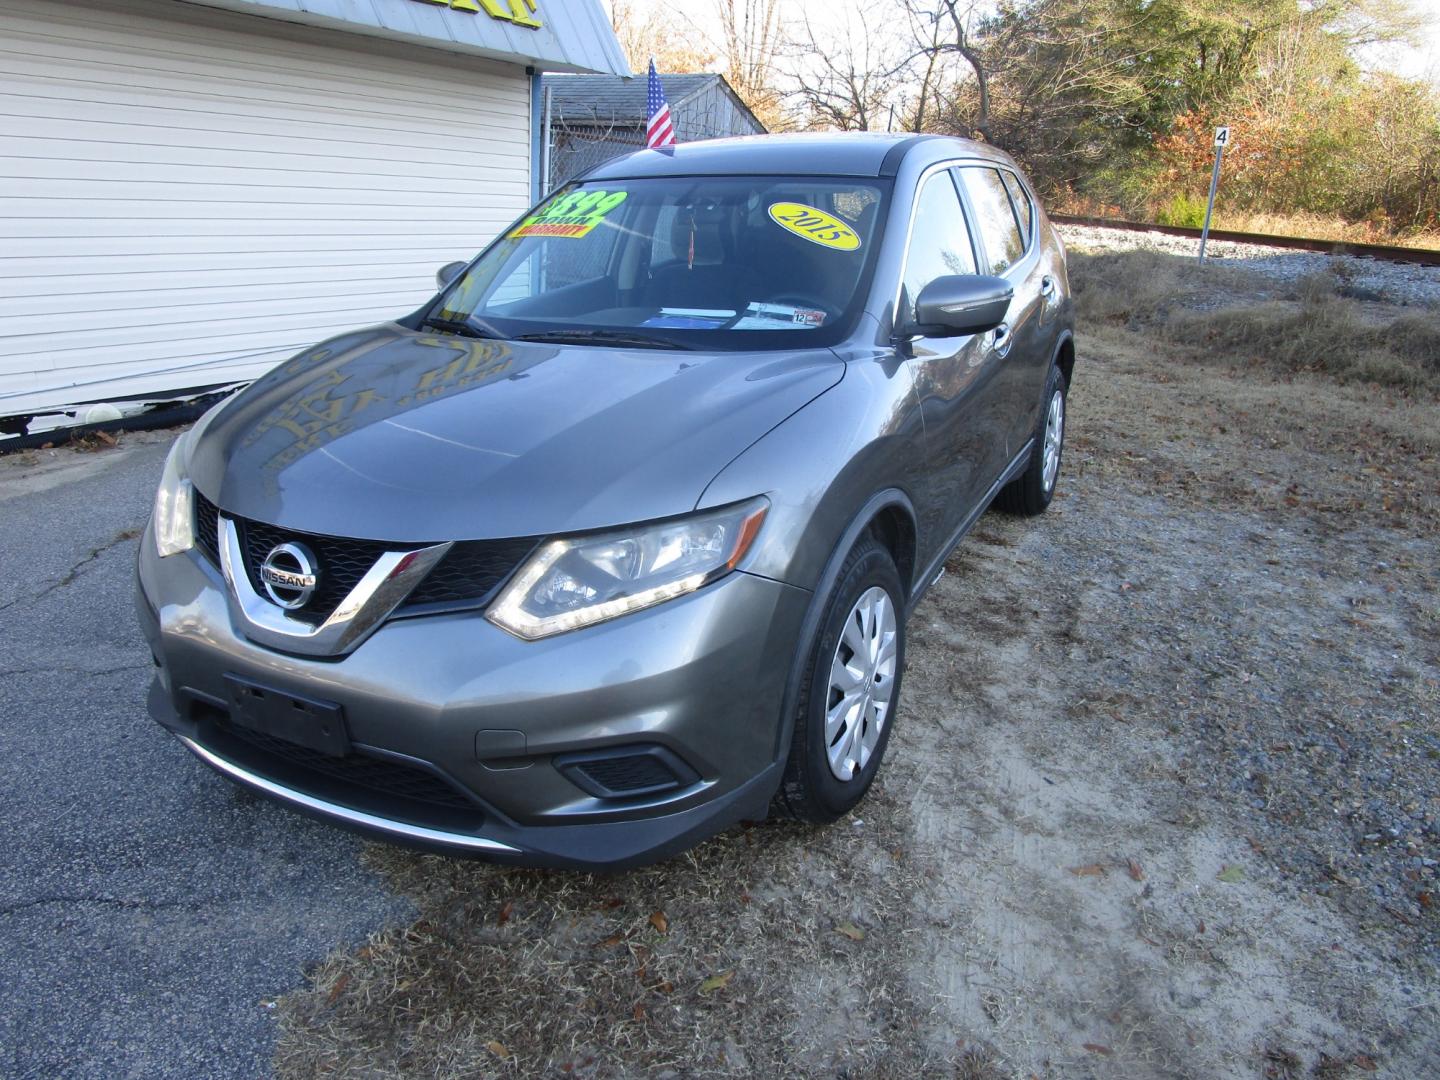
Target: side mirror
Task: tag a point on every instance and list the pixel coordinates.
(449, 272)
(961, 304)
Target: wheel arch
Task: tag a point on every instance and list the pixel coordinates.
(893, 524)
(886, 513)
(1065, 355)
(838, 469)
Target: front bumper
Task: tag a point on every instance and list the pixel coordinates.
(482, 725)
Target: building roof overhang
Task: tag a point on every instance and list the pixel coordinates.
(554, 35)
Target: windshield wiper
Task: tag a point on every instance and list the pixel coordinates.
(607, 337)
(471, 327)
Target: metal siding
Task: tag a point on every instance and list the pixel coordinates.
(574, 35)
(187, 203)
(712, 113)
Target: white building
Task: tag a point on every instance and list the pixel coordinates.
(193, 191)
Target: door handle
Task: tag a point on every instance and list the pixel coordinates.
(1047, 286)
(1001, 338)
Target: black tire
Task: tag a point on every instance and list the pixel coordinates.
(810, 789)
(1027, 495)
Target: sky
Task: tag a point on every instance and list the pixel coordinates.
(1421, 60)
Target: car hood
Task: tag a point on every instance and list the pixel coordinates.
(390, 434)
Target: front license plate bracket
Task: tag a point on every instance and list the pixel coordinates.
(308, 722)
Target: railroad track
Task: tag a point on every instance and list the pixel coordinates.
(1380, 252)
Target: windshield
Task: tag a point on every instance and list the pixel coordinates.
(687, 262)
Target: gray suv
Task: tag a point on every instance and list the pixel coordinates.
(613, 543)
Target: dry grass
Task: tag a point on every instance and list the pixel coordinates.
(1139, 289)
(1334, 338)
(1198, 428)
(1318, 325)
(688, 965)
(1320, 227)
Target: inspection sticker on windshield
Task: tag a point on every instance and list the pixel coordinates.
(571, 216)
(762, 316)
(815, 225)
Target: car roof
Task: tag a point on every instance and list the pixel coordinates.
(852, 153)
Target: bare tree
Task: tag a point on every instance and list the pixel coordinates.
(749, 44)
(928, 71)
(657, 34)
(851, 84)
(944, 29)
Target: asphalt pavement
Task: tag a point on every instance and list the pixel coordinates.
(148, 911)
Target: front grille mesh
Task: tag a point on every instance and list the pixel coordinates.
(390, 778)
(207, 528)
(469, 573)
(638, 772)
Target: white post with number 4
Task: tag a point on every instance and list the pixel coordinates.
(1222, 140)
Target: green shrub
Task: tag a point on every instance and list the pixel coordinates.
(1186, 211)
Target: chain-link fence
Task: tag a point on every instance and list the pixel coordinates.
(582, 137)
(577, 147)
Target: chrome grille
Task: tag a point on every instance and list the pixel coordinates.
(467, 576)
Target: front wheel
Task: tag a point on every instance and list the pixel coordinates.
(851, 689)
(1030, 493)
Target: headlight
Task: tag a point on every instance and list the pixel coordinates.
(572, 583)
(174, 514)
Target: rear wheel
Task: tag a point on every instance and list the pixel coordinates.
(851, 689)
(1030, 493)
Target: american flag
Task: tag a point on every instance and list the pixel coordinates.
(660, 131)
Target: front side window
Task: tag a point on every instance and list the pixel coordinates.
(939, 241)
(727, 262)
(994, 217)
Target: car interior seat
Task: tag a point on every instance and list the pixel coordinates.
(716, 278)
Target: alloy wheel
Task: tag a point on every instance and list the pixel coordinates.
(1054, 438)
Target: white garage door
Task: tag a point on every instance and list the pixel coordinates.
(188, 196)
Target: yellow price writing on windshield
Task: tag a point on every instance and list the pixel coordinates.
(573, 215)
(815, 225)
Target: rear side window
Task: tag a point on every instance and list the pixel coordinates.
(939, 240)
(1023, 206)
(994, 217)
